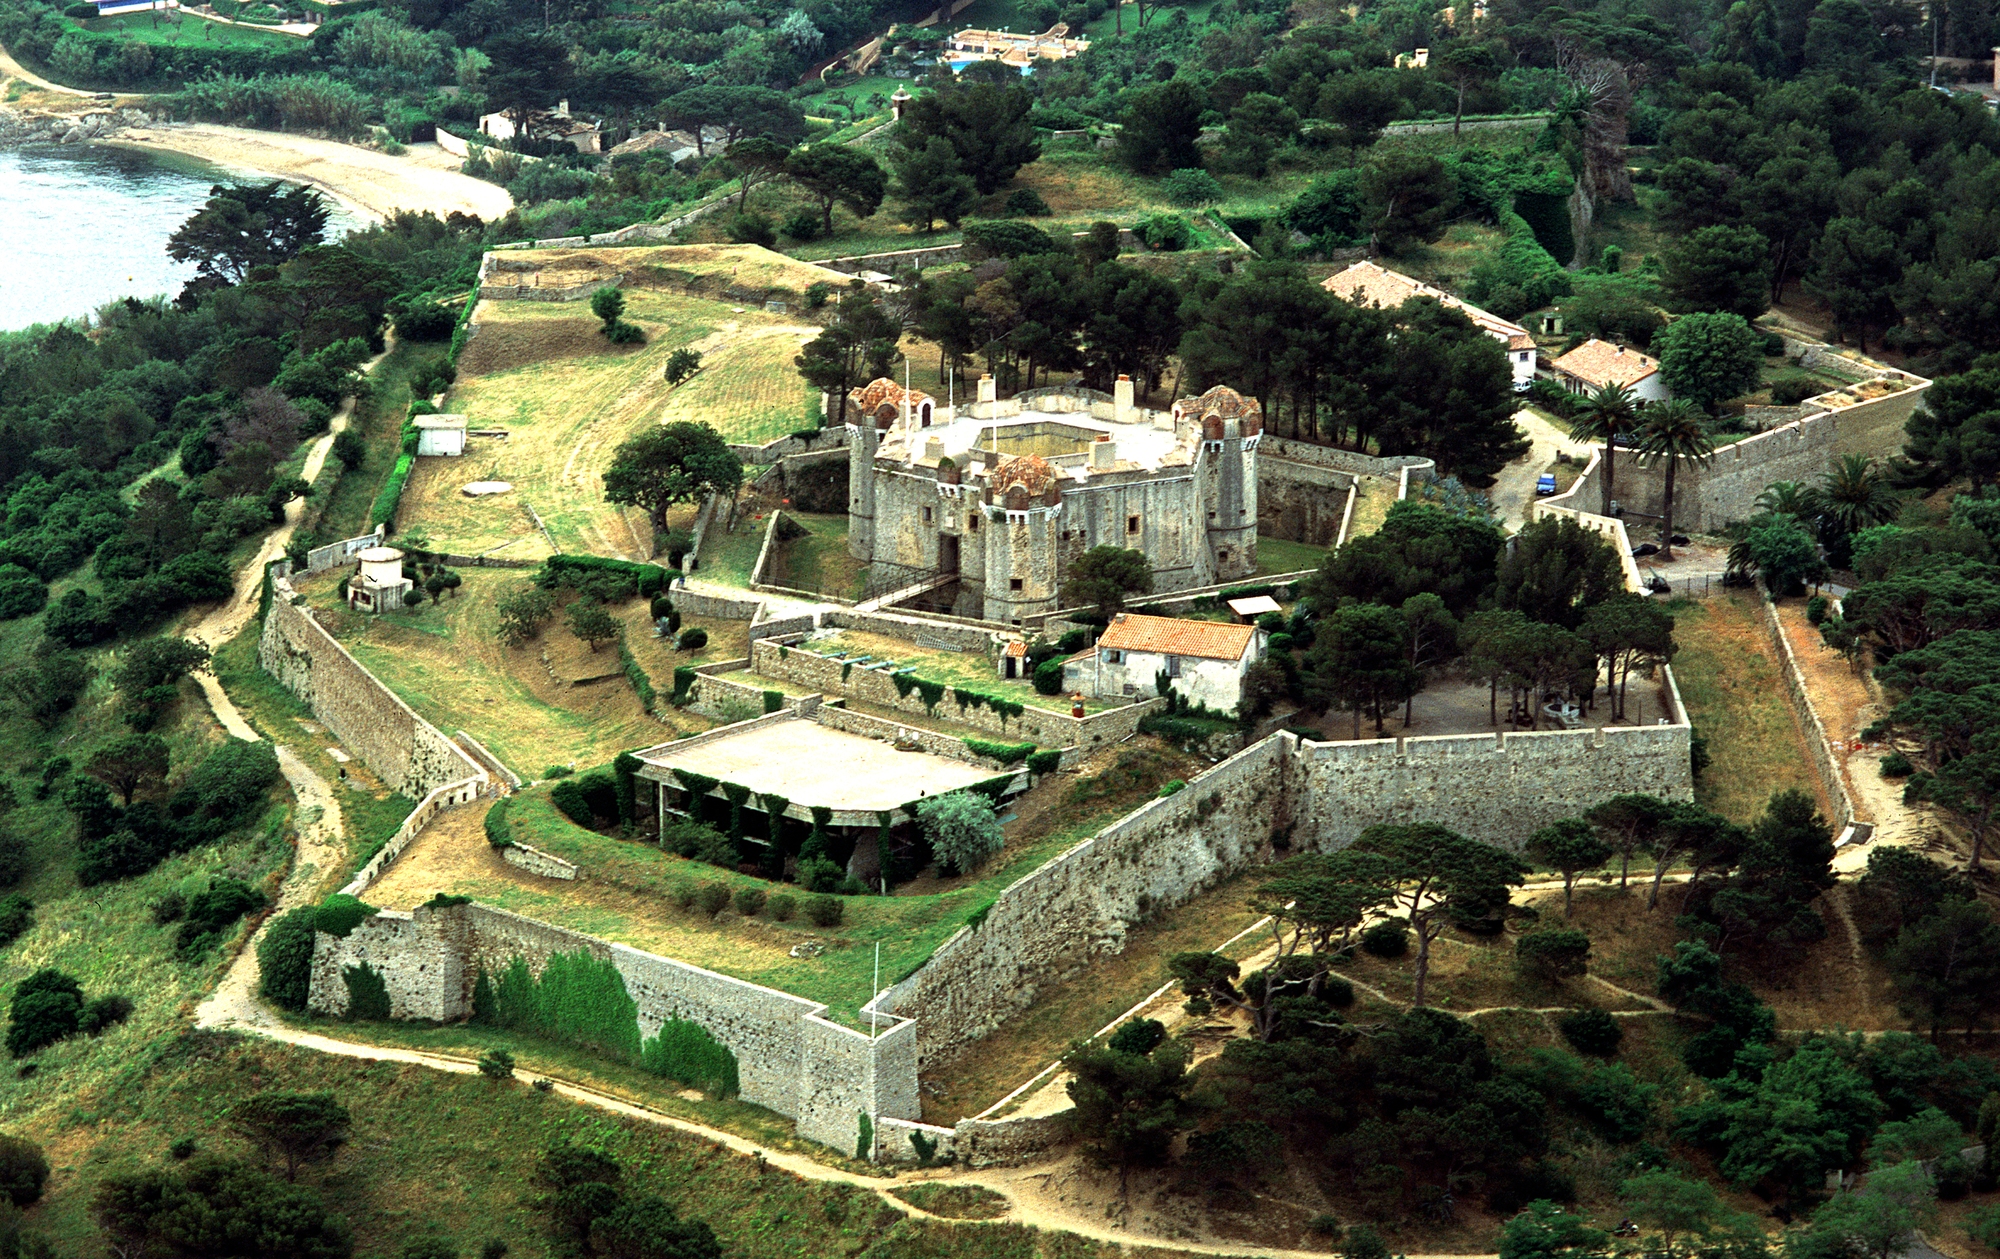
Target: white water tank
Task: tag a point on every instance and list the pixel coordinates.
(381, 566)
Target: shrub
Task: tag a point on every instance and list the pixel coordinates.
(1028, 202)
(47, 1007)
(1789, 391)
(712, 898)
(339, 914)
(1591, 1032)
(210, 914)
(23, 1170)
(496, 1064)
(1048, 677)
(783, 906)
(962, 828)
(102, 1012)
(1336, 992)
(824, 911)
(17, 917)
(681, 893)
(698, 841)
(1192, 186)
(1044, 762)
(1167, 233)
(497, 832)
(384, 510)
(692, 639)
(559, 771)
(1897, 765)
(1140, 1036)
(749, 900)
(1387, 939)
(803, 225)
(284, 959)
(1553, 954)
(773, 701)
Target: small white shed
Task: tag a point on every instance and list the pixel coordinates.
(440, 434)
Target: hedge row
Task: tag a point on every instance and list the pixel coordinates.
(1005, 753)
(497, 833)
(384, 511)
(567, 570)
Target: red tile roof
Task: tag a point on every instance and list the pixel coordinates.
(1600, 362)
(1368, 283)
(1171, 636)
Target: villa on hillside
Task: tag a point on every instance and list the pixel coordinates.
(1020, 51)
(1204, 661)
(583, 136)
(1371, 284)
(1596, 363)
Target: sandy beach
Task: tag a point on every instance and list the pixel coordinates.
(370, 183)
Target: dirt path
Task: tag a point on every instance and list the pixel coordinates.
(1514, 488)
(321, 837)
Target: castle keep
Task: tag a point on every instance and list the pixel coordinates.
(990, 503)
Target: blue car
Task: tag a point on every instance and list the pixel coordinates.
(1545, 484)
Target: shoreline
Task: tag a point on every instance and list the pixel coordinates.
(368, 183)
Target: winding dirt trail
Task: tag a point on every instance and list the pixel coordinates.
(320, 834)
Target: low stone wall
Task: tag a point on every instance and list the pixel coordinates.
(1044, 726)
(975, 1142)
(789, 1058)
(1340, 460)
(1576, 504)
(334, 554)
(1052, 923)
(535, 861)
(961, 632)
(836, 717)
(407, 753)
(1819, 743)
(771, 452)
(1499, 788)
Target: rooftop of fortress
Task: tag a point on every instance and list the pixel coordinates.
(814, 765)
(1039, 440)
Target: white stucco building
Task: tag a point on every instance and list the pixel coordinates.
(1204, 661)
(440, 434)
(1595, 364)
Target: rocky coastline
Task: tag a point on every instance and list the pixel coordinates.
(92, 122)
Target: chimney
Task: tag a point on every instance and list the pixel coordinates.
(1103, 453)
(934, 447)
(562, 107)
(989, 388)
(1121, 400)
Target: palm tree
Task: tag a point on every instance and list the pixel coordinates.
(1604, 413)
(1853, 496)
(1673, 431)
(1787, 498)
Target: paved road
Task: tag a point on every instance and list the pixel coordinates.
(1514, 489)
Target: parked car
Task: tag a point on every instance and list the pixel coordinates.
(1545, 484)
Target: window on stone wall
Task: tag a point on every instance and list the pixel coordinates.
(1014, 584)
(972, 523)
(1131, 524)
(927, 515)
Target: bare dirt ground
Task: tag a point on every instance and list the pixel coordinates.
(367, 181)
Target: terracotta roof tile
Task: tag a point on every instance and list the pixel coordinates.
(1600, 362)
(1368, 283)
(1171, 636)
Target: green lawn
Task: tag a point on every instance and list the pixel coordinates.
(155, 28)
(1276, 555)
(819, 561)
(379, 420)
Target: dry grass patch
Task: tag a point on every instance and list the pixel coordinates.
(955, 1202)
(748, 385)
(1731, 682)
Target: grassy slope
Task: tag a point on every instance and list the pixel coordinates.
(1730, 681)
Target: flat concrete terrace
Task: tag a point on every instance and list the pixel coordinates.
(813, 766)
(1062, 437)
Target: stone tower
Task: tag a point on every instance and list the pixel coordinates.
(1231, 429)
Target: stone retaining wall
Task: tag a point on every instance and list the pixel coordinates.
(1819, 743)
(535, 861)
(1052, 923)
(1340, 460)
(433, 803)
(789, 1058)
(1499, 788)
(407, 753)
(1301, 502)
(1044, 726)
(837, 717)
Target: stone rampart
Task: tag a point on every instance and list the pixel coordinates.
(860, 684)
(1499, 788)
(1301, 502)
(1050, 924)
(406, 752)
(1578, 507)
(1723, 490)
(1337, 459)
(789, 1057)
(960, 632)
